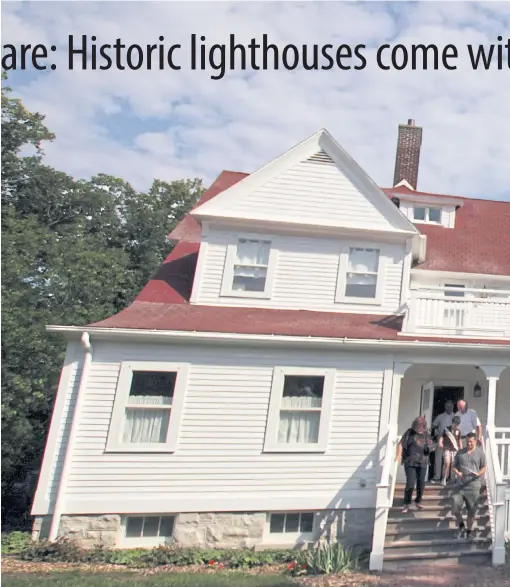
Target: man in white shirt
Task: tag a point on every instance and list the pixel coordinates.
(469, 423)
(438, 427)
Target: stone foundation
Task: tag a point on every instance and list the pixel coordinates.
(87, 531)
(214, 530)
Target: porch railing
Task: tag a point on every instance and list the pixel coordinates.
(497, 494)
(503, 444)
(384, 500)
(455, 311)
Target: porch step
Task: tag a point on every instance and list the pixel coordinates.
(396, 561)
(443, 500)
(452, 546)
(420, 534)
(429, 512)
(430, 535)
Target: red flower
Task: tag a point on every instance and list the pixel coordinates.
(221, 565)
(211, 563)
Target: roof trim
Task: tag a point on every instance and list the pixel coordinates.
(219, 206)
(135, 333)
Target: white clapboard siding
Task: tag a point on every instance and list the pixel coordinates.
(219, 456)
(305, 277)
(314, 191)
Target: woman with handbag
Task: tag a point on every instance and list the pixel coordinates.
(413, 452)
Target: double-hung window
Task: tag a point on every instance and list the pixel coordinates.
(426, 214)
(360, 275)
(147, 407)
(249, 268)
(299, 409)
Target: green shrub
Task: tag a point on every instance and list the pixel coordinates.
(62, 550)
(15, 542)
(330, 558)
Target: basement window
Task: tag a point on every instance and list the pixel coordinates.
(148, 530)
(287, 527)
(427, 215)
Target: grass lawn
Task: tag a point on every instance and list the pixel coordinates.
(132, 580)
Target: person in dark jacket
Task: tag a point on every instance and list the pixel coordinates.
(413, 452)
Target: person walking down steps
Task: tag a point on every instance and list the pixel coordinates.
(469, 467)
(413, 452)
(450, 444)
(439, 425)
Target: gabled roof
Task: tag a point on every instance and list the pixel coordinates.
(285, 191)
(479, 242)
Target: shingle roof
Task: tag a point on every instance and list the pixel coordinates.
(479, 243)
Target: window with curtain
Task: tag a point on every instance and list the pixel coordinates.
(362, 273)
(251, 265)
(300, 410)
(148, 408)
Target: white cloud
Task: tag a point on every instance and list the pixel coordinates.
(247, 118)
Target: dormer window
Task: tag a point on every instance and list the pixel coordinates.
(427, 214)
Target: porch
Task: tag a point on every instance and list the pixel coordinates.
(422, 388)
(458, 311)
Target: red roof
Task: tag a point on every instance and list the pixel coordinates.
(479, 242)
(189, 229)
(479, 239)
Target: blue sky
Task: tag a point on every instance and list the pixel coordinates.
(175, 124)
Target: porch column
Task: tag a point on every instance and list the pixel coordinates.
(398, 376)
(492, 373)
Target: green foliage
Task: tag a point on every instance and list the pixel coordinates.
(15, 542)
(73, 252)
(330, 558)
(64, 550)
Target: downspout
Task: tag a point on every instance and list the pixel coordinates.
(59, 502)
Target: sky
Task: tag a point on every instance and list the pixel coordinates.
(141, 125)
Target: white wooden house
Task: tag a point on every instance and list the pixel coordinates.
(252, 394)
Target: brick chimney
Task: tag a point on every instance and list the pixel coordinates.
(407, 161)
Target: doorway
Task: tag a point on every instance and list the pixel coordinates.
(443, 393)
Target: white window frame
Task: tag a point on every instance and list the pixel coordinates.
(143, 542)
(343, 269)
(114, 442)
(230, 260)
(290, 537)
(271, 443)
(427, 208)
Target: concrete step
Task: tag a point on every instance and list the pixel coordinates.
(418, 534)
(431, 512)
(435, 546)
(396, 561)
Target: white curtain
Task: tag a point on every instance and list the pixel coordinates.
(363, 261)
(252, 252)
(146, 425)
(297, 425)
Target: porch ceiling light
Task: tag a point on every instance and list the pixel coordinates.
(477, 390)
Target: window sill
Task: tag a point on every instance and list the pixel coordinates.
(245, 294)
(294, 449)
(360, 301)
(122, 448)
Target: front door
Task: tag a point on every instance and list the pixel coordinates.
(427, 402)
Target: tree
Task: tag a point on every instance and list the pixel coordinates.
(73, 252)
